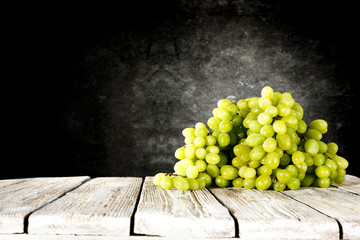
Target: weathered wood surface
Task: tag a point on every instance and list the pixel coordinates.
(174, 213)
(101, 206)
(270, 214)
(20, 197)
(336, 203)
(351, 184)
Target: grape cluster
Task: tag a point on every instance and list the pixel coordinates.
(260, 142)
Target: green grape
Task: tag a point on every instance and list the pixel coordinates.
(229, 172)
(237, 121)
(269, 145)
(283, 110)
(167, 183)
(213, 170)
(263, 182)
(267, 92)
(180, 183)
(311, 147)
(199, 142)
(199, 125)
(298, 157)
(238, 182)
(278, 186)
(264, 103)
(264, 118)
(292, 149)
(279, 151)
(308, 180)
(313, 134)
(340, 179)
(256, 153)
(201, 132)
(237, 162)
(287, 100)
(323, 147)
(201, 183)
(210, 140)
(283, 141)
(193, 184)
(319, 159)
(320, 125)
(187, 132)
(213, 149)
(272, 111)
(190, 151)
(213, 123)
(206, 178)
(200, 153)
(323, 182)
(223, 139)
(332, 148)
(232, 108)
(267, 131)
(272, 160)
(279, 127)
(247, 172)
(221, 182)
(242, 151)
(224, 114)
(212, 158)
(293, 170)
(223, 103)
(255, 126)
(342, 163)
(255, 139)
(302, 168)
(322, 172)
(189, 140)
(225, 126)
(264, 170)
(331, 164)
(283, 176)
(179, 169)
(290, 121)
(249, 183)
(293, 183)
(157, 178)
(192, 172)
(180, 153)
(302, 127)
(223, 159)
(254, 164)
(242, 104)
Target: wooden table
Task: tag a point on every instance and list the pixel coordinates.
(82, 208)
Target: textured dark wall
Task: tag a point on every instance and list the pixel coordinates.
(120, 80)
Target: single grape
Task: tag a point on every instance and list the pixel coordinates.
(313, 134)
(212, 158)
(256, 153)
(220, 181)
(319, 159)
(279, 127)
(193, 184)
(187, 132)
(167, 183)
(269, 145)
(157, 178)
(224, 114)
(278, 186)
(180, 183)
(199, 142)
(322, 172)
(200, 153)
(190, 151)
(201, 132)
(247, 172)
(264, 118)
(323, 182)
(238, 182)
(263, 182)
(264, 103)
(206, 178)
(308, 180)
(210, 140)
(320, 125)
(264, 170)
(267, 131)
(255, 139)
(225, 126)
(223, 139)
(223, 103)
(298, 157)
(267, 92)
(342, 163)
(249, 183)
(311, 147)
(180, 153)
(283, 176)
(332, 148)
(213, 170)
(229, 172)
(293, 183)
(283, 141)
(213, 123)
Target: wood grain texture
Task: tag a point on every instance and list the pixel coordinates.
(270, 214)
(351, 184)
(20, 197)
(334, 202)
(175, 213)
(101, 206)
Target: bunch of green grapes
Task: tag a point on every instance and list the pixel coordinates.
(260, 142)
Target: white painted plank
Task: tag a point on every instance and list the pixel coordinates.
(101, 206)
(20, 197)
(337, 203)
(351, 184)
(270, 214)
(174, 213)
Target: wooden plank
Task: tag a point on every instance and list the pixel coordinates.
(337, 203)
(270, 214)
(19, 198)
(101, 206)
(174, 213)
(351, 184)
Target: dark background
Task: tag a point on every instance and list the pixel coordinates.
(104, 88)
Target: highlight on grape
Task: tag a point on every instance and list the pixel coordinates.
(259, 142)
